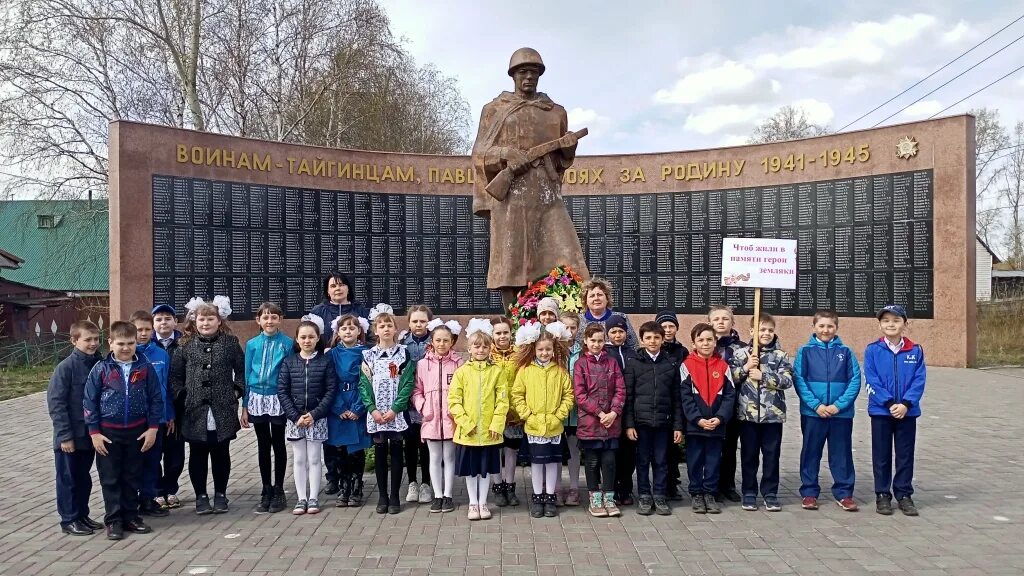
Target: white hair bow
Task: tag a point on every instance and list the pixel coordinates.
(453, 326)
(222, 303)
(318, 321)
(363, 323)
(528, 334)
(478, 325)
(559, 330)
(380, 309)
(192, 304)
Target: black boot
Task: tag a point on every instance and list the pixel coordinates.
(356, 497)
(332, 487)
(537, 505)
(500, 494)
(345, 494)
(265, 496)
(278, 501)
(550, 505)
(510, 493)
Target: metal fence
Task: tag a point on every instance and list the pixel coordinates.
(43, 350)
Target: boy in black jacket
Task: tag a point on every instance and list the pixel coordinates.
(721, 320)
(73, 454)
(652, 416)
(625, 456)
(675, 349)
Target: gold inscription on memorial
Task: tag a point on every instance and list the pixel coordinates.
(223, 158)
(583, 176)
(829, 158)
(451, 176)
(320, 167)
(702, 170)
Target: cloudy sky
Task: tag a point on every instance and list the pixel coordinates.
(663, 75)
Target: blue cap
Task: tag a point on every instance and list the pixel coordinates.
(167, 308)
(893, 309)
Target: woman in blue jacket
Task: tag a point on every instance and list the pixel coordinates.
(894, 375)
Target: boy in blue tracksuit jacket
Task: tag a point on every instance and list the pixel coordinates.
(166, 336)
(894, 375)
(147, 349)
(123, 406)
(827, 380)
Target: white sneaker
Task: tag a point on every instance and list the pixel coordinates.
(414, 493)
(426, 493)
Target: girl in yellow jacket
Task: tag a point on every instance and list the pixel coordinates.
(542, 395)
(478, 402)
(504, 354)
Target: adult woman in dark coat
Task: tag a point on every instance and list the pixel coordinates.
(339, 299)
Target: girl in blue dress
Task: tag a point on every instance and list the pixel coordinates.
(346, 426)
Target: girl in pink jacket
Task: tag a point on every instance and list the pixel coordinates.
(430, 397)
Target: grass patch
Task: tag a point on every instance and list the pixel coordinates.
(23, 380)
(1001, 333)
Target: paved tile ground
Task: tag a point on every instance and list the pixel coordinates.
(969, 471)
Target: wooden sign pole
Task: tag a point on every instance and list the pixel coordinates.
(756, 344)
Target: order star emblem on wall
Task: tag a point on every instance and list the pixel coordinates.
(906, 147)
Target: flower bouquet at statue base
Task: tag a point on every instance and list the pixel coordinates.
(562, 283)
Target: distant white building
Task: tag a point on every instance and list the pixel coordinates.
(983, 274)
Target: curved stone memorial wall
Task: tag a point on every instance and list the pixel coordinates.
(880, 216)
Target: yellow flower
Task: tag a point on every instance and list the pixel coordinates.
(572, 303)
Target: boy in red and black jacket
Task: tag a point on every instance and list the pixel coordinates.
(123, 407)
(707, 396)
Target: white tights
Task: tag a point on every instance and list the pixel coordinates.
(306, 467)
(477, 487)
(442, 467)
(544, 477)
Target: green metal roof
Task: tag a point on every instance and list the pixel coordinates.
(64, 243)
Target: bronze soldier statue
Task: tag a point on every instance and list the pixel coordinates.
(522, 148)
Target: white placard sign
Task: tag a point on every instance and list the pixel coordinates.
(759, 263)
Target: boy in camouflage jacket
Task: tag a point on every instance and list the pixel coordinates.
(761, 411)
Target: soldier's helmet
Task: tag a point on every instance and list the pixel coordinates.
(525, 56)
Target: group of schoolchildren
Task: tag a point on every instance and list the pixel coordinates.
(349, 381)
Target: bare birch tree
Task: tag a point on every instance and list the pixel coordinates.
(990, 142)
(325, 72)
(788, 123)
(1012, 191)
